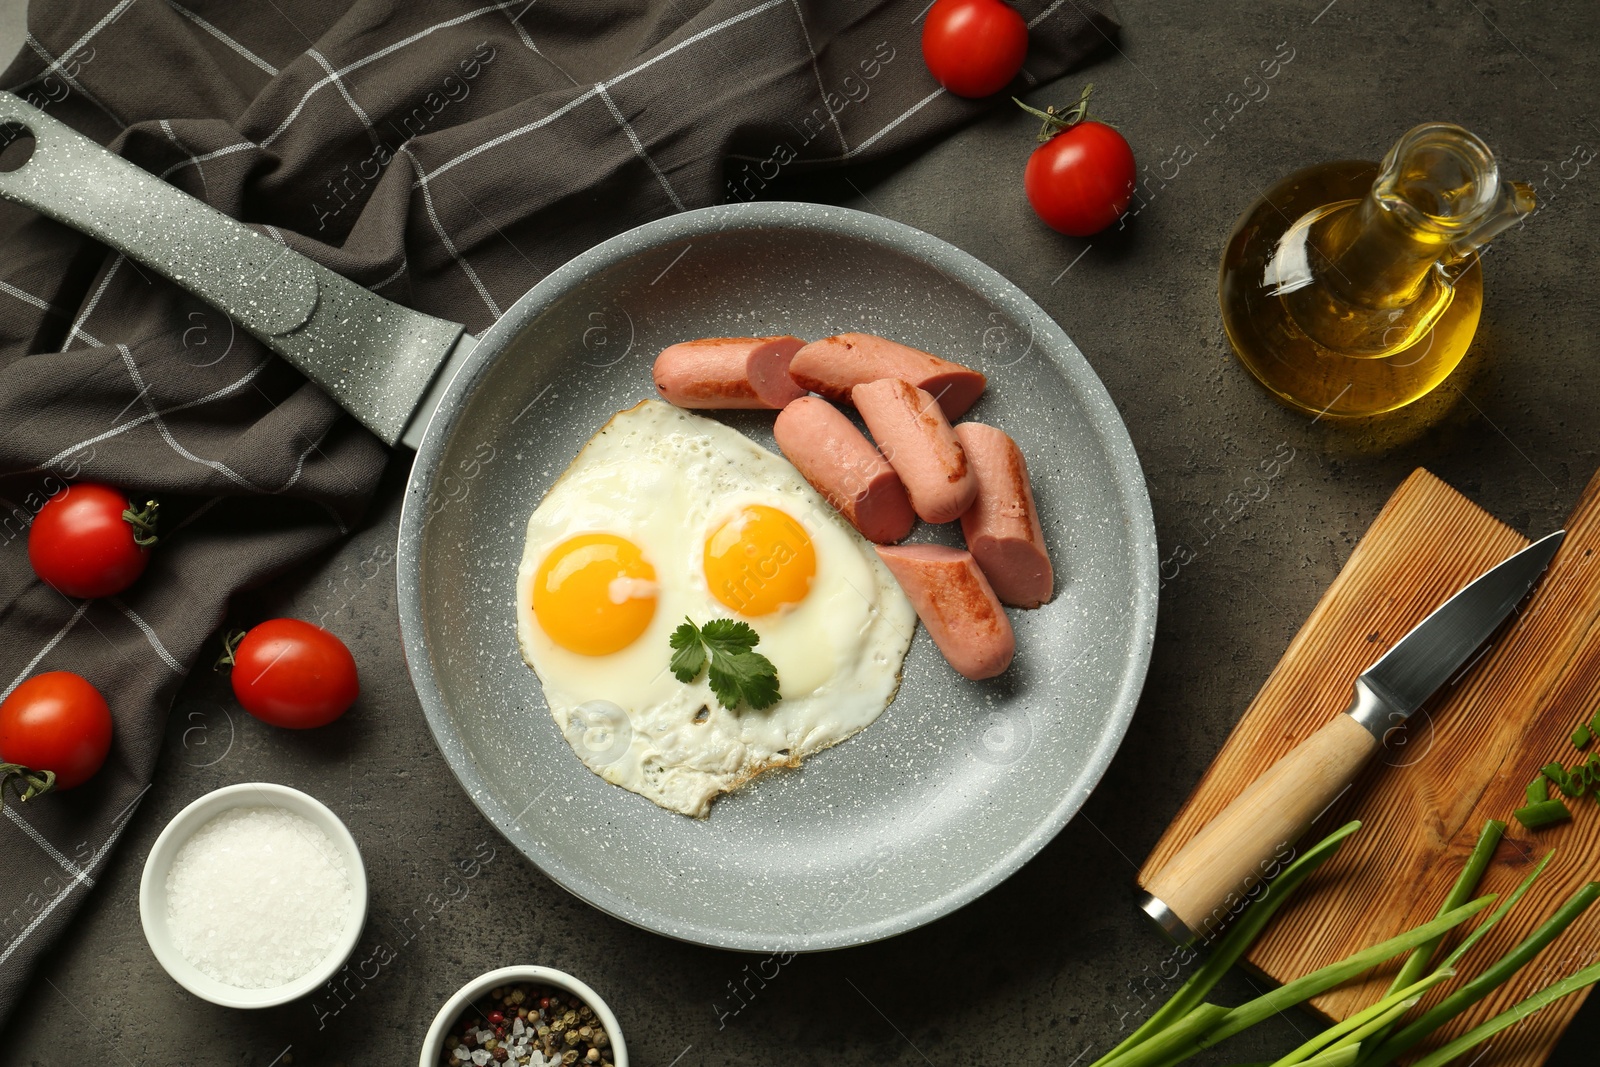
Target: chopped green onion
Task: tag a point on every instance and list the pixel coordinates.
(1538, 816)
(1540, 1000)
(1486, 983)
(1582, 778)
(1594, 723)
(1558, 774)
(1581, 737)
(1465, 885)
(1539, 790)
(1235, 943)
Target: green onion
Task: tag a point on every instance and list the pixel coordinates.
(1539, 790)
(1235, 943)
(1548, 813)
(1489, 980)
(1335, 1057)
(1175, 1039)
(1147, 1054)
(1383, 1009)
(1465, 885)
(1499, 913)
(1581, 737)
(1594, 723)
(1478, 934)
(1364, 1037)
(1558, 774)
(1302, 989)
(1382, 1023)
(1540, 1000)
(1324, 979)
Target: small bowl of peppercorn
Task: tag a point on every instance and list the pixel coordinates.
(525, 1016)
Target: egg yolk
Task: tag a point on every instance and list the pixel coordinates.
(759, 560)
(594, 594)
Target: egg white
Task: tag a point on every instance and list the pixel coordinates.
(664, 478)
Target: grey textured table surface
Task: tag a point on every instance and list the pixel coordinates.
(1053, 964)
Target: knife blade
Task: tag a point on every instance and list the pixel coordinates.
(1435, 648)
(1213, 876)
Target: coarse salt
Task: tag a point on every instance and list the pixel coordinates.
(257, 897)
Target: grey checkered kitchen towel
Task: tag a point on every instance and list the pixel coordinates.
(446, 154)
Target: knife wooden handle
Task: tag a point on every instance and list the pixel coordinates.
(1249, 840)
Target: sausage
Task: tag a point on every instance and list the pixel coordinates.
(842, 465)
(835, 365)
(919, 444)
(728, 372)
(1002, 528)
(956, 604)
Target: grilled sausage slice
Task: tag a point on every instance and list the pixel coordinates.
(1002, 528)
(728, 372)
(919, 444)
(842, 465)
(835, 365)
(955, 603)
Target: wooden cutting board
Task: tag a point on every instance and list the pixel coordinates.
(1465, 759)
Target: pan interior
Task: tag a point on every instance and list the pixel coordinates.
(958, 782)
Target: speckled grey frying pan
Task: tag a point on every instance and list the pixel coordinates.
(958, 783)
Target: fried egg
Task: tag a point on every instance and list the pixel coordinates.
(663, 516)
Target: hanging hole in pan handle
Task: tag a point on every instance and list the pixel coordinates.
(16, 146)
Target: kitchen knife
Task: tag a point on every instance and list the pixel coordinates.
(1212, 877)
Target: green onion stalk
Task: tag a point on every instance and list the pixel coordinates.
(1234, 944)
(1538, 1002)
(1154, 1053)
(1487, 982)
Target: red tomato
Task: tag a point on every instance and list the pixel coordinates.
(974, 47)
(291, 673)
(1081, 180)
(56, 722)
(82, 544)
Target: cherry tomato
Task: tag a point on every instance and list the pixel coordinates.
(56, 722)
(88, 541)
(291, 673)
(1081, 180)
(974, 47)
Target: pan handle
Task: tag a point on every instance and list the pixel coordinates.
(376, 358)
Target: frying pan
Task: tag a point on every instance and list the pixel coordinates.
(954, 787)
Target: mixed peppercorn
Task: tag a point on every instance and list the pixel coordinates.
(527, 1025)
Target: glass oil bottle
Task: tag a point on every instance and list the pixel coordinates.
(1352, 289)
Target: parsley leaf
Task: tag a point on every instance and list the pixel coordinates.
(726, 635)
(689, 659)
(746, 676)
(738, 674)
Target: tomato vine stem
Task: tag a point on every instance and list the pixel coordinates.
(1057, 121)
(143, 523)
(26, 782)
(230, 645)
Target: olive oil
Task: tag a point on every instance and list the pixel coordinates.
(1351, 288)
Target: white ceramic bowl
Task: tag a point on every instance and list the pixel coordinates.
(153, 892)
(433, 1044)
